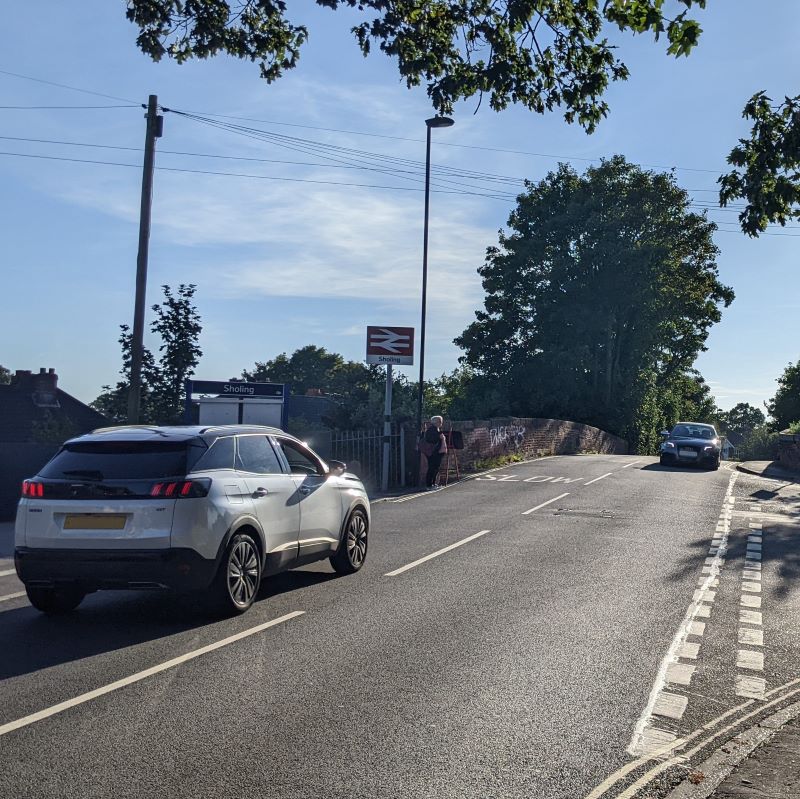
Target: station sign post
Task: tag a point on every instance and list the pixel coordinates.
(389, 346)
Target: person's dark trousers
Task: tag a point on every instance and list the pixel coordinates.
(434, 462)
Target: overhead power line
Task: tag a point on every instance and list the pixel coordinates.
(64, 107)
(487, 195)
(236, 174)
(438, 143)
(66, 86)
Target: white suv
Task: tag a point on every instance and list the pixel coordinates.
(189, 508)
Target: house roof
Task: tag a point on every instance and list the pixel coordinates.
(32, 405)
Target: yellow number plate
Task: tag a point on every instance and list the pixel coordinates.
(94, 521)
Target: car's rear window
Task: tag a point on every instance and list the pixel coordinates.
(122, 460)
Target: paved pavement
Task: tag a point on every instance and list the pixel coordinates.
(531, 634)
(772, 469)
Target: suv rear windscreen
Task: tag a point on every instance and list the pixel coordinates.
(123, 460)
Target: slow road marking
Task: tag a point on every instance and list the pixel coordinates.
(141, 675)
(554, 499)
(436, 554)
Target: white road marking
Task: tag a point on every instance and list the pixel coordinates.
(141, 675)
(753, 588)
(752, 555)
(645, 738)
(654, 741)
(751, 637)
(670, 705)
(549, 501)
(7, 572)
(680, 673)
(436, 554)
(607, 474)
(11, 596)
(689, 650)
(704, 596)
(748, 659)
(752, 687)
(697, 627)
(755, 539)
(633, 463)
(756, 526)
(750, 617)
(750, 601)
(685, 756)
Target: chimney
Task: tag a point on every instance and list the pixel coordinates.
(45, 388)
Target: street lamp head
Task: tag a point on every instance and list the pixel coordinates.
(439, 122)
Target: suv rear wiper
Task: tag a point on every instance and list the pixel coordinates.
(92, 474)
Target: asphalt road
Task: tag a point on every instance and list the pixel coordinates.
(524, 662)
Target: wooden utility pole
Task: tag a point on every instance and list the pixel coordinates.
(155, 127)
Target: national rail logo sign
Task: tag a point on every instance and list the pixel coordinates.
(390, 345)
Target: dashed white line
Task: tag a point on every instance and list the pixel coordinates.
(7, 572)
(633, 463)
(554, 499)
(436, 554)
(11, 596)
(141, 675)
(750, 601)
(607, 474)
(749, 659)
(751, 637)
(648, 740)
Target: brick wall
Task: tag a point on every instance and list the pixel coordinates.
(530, 438)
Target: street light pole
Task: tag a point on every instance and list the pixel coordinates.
(435, 122)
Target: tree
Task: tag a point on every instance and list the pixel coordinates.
(540, 53)
(741, 420)
(356, 390)
(543, 54)
(598, 301)
(784, 407)
(767, 165)
(5, 375)
(309, 367)
(178, 326)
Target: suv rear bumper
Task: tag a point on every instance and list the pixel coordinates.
(93, 569)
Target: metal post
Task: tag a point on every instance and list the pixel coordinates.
(387, 429)
(154, 130)
(402, 455)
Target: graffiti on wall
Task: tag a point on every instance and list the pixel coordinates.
(509, 436)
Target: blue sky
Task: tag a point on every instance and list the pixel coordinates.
(282, 264)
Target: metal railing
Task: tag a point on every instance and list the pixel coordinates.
(362, 451)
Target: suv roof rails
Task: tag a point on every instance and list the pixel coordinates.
(112, 428)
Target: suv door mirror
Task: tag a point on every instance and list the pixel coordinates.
(664, 433)
(336, 468)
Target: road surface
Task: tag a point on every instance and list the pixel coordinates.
(539, 632)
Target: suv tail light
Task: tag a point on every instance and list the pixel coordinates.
(32, 489)
(181, 488)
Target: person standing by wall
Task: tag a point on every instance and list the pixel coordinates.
(433, 446)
